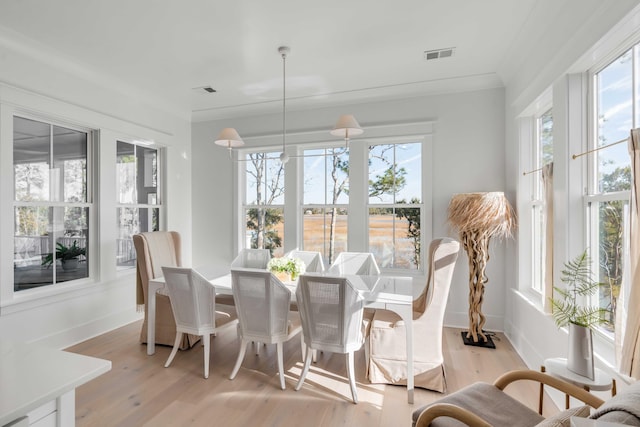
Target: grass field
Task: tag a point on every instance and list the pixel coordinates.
(316, 230)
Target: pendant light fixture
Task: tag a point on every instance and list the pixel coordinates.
(346, 127)
(284, 51)
(229, 138)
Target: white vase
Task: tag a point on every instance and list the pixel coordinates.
(70, 264)
(580, 359)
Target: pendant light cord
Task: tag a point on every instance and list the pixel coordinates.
(284, 100)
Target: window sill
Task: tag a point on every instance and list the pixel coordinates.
(34, 298)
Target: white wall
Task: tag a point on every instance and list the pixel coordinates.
(42, 84)
(468, 156)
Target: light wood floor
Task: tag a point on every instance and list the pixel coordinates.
(139, 391)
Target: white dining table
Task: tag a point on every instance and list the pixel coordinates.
(394, 293)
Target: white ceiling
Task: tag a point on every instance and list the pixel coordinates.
(341, 51)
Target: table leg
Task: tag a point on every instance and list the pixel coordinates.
(406, 314)
(151, 321)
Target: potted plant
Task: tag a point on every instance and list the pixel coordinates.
(568, 311)
(68, 256)
(286, 269)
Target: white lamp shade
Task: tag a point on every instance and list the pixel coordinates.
(347, 126)
(229, 138)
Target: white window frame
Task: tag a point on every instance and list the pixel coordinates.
(592, 197)
(159, 191)
(93, 256)
(358, 196)
(419, 139)
(530, 194)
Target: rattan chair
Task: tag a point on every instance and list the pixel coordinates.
(262, 303)
(331, 311)
(193, 300)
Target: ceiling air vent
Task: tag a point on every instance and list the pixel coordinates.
(204, 89)
(439, 53)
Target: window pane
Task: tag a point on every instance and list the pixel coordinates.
(545, 134)
(265, 229)
(69, 165)
(394, 237)
(133, 221)
(325, 231)
(612, 251)
(326, 176)
(46, 253)
(615, 117)
(395, 173)
(137, 174)
(538, 242)
(31, 156)
(265, 179)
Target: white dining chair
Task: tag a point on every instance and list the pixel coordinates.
(360, 263)
(331, 311)
(252, 258)
(262, 302)
(312, 260)
(193, 300)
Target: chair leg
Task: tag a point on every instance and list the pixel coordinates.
(307, 362)
(207, 347)
(241, 353)
(280, 364)
(351, 374)
(303, 347)
(176, 345)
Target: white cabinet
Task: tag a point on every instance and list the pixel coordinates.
(38, 384)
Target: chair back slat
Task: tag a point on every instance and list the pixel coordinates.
(252, 258)
(360, 263)
(262, 303)
(331, 312)
(192, 297)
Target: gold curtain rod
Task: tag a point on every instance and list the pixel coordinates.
(575, 156)
(535, 170)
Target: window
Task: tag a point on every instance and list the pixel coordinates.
(542, 155)
(325, 201)
(372, 195)
(52, 203)
(615, 91)
(138, 204)
(395, 205)
(264, 202)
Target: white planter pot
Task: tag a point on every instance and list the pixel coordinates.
(70, 264)
(580, 358)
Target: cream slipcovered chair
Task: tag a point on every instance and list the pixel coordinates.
(193, 300)
(262, 303)
(153, 251)
(312, 260)
(361, 263)
(331, 311)
(487, 405)
(387, 339)
(252, 258)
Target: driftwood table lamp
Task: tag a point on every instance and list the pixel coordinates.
(478, 217)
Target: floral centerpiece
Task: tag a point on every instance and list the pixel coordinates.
(286, 269)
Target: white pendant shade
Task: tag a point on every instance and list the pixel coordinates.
(229, 138)
(347, 127)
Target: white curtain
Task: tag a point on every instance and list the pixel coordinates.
(547, 182)
(628, 316)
